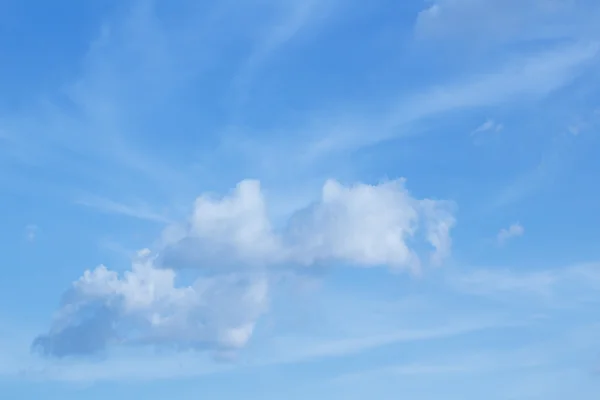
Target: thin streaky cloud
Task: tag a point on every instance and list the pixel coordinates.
(555, 160)
(459, 367)
(474, 360)
(524, 79)
(298, 16)
(545, 285)
(326, 134)
(108, 206)
(280, 353)
(506, 21)
(306, 352)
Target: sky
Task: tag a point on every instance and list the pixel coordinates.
(331, 199)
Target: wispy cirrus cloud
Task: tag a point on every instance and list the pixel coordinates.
(477, 363)
(139, 211)
(523, 79)
(555, 160)
(109, 119)
(557, 287)
(282, 351)
(95, 125)
(472, 361)
(502, 21)
(294, 18)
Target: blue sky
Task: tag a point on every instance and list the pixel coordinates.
(329, 199)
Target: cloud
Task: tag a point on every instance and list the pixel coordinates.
(99, 139)
(513, 231)
(145, 306)
(296, 17)
(488, 126)
(558, 287)
(273, 350)
(472, 363)
(129, 90)
(472, 360)
(138, 70)
(234, 227)
(139, 211)
(507, 20)
(87, 127)
(302, 352)
(558, 158)
(523, 78)
(491, 282)
(363, 225)
(532, 76)
(280, 351)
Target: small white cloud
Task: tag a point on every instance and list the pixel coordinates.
(31, 232)
(512, 231)
(488, 126)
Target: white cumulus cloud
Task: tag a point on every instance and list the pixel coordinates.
(357, 225)
(145, 306)
(360, 224)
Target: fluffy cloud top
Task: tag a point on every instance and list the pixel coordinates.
(361, 225)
